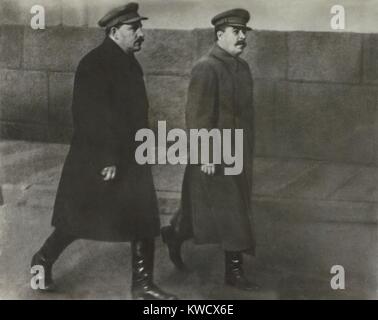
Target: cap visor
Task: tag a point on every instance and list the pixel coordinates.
(133, 20)
(240, 26)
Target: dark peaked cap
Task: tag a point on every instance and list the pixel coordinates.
(126, 14)
(234, 17)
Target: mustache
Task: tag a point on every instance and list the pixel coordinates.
(241, 42)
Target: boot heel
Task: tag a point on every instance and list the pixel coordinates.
(234, 274)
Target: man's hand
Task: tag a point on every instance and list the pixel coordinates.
(209, 169)
(109, 173)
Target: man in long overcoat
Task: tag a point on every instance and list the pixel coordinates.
(103, 193)
(216, 208)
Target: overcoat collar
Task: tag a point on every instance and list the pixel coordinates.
(233, 63)
(125, 61)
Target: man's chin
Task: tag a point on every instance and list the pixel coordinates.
(239, 50)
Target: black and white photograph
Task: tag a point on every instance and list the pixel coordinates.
(189, 150)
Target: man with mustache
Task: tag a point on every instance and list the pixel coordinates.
(103, 193)
(216, 208)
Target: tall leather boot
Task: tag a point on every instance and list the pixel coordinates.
(48, 254)
(174, 243)
(143, 287)
(234, 273)
(39, 259)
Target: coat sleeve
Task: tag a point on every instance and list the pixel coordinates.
(93, 118)
(202, 101)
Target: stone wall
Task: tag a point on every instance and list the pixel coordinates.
(315, 92)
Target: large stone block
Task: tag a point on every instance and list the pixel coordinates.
(371, 58)
(60, 98)
(204, 41)
(11, 43)
(23, 96)
(331, 57)
(326, 121)
(264, 120)
(22, 131)
(167, 51)
(19, 11)
(167, 97)
(266, 53)
(59, 134)
(363, 187)
(60, 48)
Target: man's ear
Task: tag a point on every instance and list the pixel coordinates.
(219, 34)
(113, 33)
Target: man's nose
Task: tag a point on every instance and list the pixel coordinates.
(140, 34)
(242, 35)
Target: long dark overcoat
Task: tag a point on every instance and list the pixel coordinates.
(109, 106)
(217, 209)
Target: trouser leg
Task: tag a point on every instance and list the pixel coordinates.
(179, 229)
(173, 237)
(55, 244)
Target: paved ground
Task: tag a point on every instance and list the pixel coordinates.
(297, 200)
